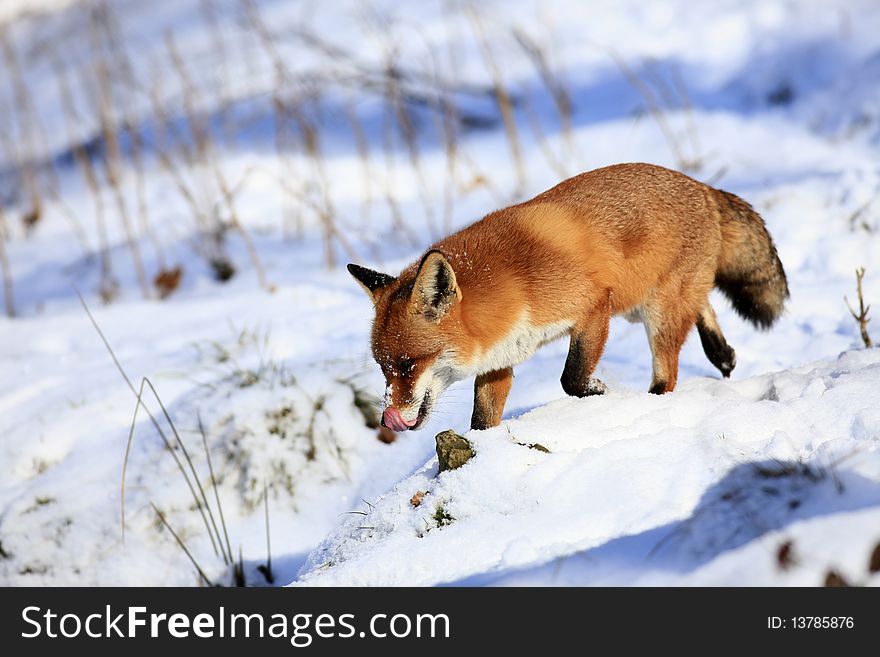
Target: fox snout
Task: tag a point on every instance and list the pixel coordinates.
(392, 419)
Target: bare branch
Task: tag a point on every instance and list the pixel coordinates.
(861, 316)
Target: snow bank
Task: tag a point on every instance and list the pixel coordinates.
(694, 487)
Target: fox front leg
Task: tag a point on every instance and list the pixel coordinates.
(490, 394)
(587, 344)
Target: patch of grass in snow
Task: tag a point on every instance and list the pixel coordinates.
(272, 429)
(368, 404)
(40, 466)
(40, 502)
(272, 433)
(295, 438)
(34, 569)
(275, 429)
(280, 420)
(442, 517)
(246, 361)
(780, 469)
(536, 446)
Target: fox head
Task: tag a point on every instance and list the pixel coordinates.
(417, 321)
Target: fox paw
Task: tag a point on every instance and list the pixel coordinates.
(592, 387)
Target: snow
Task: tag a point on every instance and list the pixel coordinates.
(12, 9)
(637, 489)
(698, 487)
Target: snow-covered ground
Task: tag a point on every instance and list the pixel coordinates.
(776, 101)
(698, 487)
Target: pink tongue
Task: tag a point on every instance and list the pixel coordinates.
(394, 420)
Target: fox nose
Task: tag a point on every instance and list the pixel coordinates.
(392, 419)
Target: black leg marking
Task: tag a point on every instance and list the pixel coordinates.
(719, 353)
(575, 378)
(658, 388)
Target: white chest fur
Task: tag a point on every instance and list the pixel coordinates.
(523, 340)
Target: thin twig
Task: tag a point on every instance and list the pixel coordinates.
(8, 299)
(269, 576)
(558, 92)
(139, 398)
(214, 485)
(190, 463)
(182, 545)
(140, 404)
(654, 108)
(26, 119)
(108, 286)
(113, 151)
(502, 97)
(862, 316)
(396, 100)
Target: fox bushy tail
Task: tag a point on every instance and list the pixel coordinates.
(749, 272)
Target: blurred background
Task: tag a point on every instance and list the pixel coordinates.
(202, 170)
(145, 147)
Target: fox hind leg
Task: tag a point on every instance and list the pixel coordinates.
(719, 353)
(667, 331)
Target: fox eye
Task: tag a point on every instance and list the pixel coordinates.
(406, 366)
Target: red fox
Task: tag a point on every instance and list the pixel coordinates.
(635, 240)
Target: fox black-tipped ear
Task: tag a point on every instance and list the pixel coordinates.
(371, 281)
(436, 289)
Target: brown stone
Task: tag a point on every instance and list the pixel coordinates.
(453, 451)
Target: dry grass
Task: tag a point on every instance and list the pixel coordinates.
(5, 268)
(861, 317)
(113, 160)
(108, 286)
(555, 87)
(502, 97)
(25, 155)
(652, 92)
(119, 121)
(218, 534)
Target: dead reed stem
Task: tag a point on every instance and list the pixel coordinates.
(656, 112)
(502, 97)
(182, 545)
(395, 99)
(108, 285)
(8, 298)
(25, 157)
(535, 123)
(363, 149)
(861, 316)
(554, 85)
(688, 107)
(123, 70)
(291, 210)
(113, 155)
(201, 135)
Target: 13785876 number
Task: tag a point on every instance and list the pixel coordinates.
(821, 622)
